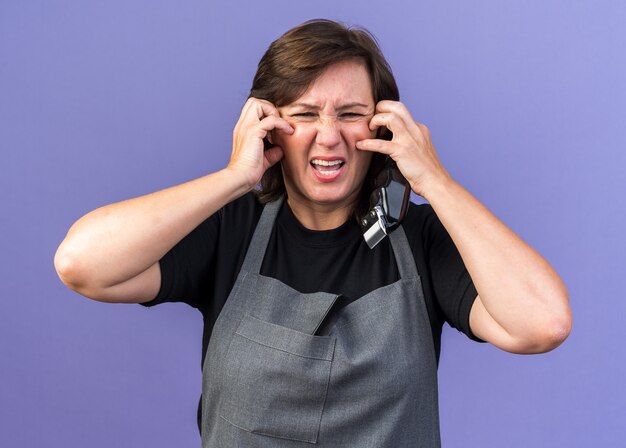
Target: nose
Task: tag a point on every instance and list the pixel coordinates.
(328, 132)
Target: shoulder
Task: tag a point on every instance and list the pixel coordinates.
(421, 225)
(241, 214)
(237, 221)
(418, 213)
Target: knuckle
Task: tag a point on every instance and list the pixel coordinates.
(396, 106)
(267, 103)
(394, 118)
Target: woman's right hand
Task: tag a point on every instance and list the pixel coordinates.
(112, 254)
(258, 118)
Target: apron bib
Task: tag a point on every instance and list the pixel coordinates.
(270, 381)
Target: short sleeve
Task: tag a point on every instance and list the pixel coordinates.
(453, 287)
(187, 268)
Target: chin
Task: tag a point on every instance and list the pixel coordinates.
(334, 197)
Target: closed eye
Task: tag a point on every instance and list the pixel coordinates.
(352, 116)
(341, 116)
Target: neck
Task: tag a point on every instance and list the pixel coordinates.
(320, 216)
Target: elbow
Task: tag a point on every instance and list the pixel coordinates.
(75, 271)
(72, 272)
(562, 328)
(559, 324)
(555, 324)
(549, 335)
(67, 268)
(556, 334)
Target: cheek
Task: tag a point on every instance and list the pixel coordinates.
(361, 161)
(358, 131)
(300, 136)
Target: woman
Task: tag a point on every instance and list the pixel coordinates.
(310, 336)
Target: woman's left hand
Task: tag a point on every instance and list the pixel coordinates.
(522, 304)
(410, 147)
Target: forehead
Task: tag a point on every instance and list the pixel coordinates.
(341, 83)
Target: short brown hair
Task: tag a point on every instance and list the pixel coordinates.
(293, 62)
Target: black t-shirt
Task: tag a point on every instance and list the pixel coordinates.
(202, 268)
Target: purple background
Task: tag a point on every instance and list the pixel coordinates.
(102, 101)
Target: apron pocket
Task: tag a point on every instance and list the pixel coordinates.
(277, 379)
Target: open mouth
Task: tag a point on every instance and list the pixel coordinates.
(327, 168)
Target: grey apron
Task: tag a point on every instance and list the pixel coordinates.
(269, 381)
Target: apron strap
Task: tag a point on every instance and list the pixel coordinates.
(258, 245)
(403, 254)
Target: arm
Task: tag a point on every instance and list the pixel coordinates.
(112, 253)
(522, 304)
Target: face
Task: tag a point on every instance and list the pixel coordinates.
(321, 165)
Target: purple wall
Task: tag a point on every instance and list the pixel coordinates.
(102, 101)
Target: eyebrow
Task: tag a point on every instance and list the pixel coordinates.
(342, 107)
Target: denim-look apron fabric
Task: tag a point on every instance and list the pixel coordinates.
(269, 381)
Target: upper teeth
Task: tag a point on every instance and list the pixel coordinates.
(326, 162)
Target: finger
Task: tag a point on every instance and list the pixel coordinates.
(424, 130)
(264, 108)
(390, 106)
(398, 109)
(376, 145)
(248, 105)
(388, 120)
(395, 107)
(255, 109)
(273, 122)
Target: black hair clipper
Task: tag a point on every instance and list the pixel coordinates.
(388, 204)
